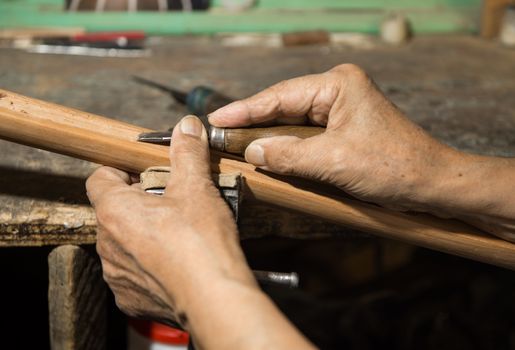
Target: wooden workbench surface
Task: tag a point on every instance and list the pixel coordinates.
(460, 89)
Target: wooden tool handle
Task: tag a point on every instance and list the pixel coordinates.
(237, 140)
(110, 142)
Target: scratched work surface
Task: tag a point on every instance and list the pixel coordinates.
(460, 89)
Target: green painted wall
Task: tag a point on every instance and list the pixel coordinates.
(358, 4)
(427, 16)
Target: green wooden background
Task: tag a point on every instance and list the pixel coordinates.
(427, 16)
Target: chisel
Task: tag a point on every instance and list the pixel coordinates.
(201, 101)
(236, 140)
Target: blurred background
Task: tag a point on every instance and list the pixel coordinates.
(158, 17)
(448, 64)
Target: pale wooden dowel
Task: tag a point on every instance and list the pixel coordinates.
(80, 143)
(46, 111)
(110, 142)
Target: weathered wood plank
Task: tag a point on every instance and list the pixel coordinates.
(76, 300)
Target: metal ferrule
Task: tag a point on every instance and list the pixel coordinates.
(217, 138)
(289, 279)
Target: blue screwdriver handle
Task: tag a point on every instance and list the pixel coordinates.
(203, 100)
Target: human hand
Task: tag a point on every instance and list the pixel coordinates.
(369, 149)
(158, 253)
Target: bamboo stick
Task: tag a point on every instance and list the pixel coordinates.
(110, 142)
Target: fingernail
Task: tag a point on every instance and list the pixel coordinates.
(191, 126)
(255, 154)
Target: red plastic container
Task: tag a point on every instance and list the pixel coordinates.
(148, 335)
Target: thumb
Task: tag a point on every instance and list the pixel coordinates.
(189, 151)
(287, 155)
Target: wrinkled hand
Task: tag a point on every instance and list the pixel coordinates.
(157, 252)
(369, 149)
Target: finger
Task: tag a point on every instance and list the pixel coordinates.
(103, 180)
(293, 98)
(189, 151)
(135, 178)
(288, 155)
(302, 120)
(284, 121)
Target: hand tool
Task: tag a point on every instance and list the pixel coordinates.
(100, 44)
(236, 140)
(109, 40)
(154, 179)
(88, 51)
(201, 100)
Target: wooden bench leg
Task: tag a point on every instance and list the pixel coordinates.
(76, 300)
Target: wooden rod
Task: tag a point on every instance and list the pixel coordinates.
(110, 142)
(46, 111)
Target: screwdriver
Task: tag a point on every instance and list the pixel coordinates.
(200, 101)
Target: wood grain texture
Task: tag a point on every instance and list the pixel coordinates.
(109, 142)
(59, 224)
(237, 140)
(76, 300)
(75, 133)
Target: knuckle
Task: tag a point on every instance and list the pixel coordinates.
(282, 161)
(188, 149)
(182, 188)
(279, 86)
(189, 156)
(124, 306)
(350, 71)
(337, 159)
(100, 173)
(111, 206)
(285, 168)
(105, 214)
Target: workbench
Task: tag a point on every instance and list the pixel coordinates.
(460, 89)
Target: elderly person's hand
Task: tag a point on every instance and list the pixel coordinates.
(177, 258)
(372, 151)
